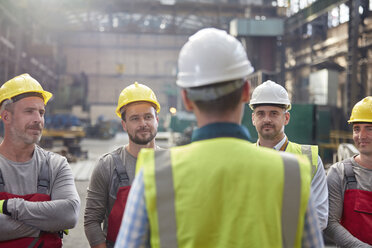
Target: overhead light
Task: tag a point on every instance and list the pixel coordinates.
(115, 22)
(168, 2)
(173, 110)
(162, 25)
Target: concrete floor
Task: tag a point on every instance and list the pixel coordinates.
(76, 237)
(82, 171)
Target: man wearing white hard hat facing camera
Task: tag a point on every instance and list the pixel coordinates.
(271, 105)
(219, 190)
(350, 186)
(114, 173)
(38, 197)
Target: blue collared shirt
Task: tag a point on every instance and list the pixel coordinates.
(221, 129)
(135, 230)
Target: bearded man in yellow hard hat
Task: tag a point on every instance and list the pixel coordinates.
(350, 186)
(111, 179)
(38, 197)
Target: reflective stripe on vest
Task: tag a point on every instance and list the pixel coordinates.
(306, 150)
(164, 186)
(166, 210)
(310, 151)
(291, 199)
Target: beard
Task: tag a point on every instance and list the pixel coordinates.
(272, 134)
(137, 139)
(363, 149)
(25, 137)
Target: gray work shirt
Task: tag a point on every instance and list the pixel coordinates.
(336, 187)
(100, 196)
(29, 218)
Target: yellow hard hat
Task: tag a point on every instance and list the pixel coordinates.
(22, 84)
(362, 111)
(136, 93)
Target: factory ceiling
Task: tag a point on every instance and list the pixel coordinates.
(130, 16)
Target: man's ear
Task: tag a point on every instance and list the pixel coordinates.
(186, 101)
(287, 118)
(5, 116)
(246, 91)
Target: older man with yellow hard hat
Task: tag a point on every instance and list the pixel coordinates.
(38, 197)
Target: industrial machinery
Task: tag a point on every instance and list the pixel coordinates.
(346, 150)
(62, 134)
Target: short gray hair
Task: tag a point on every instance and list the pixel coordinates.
(6, 105)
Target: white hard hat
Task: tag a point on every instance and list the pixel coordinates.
(211, 56)
(270, 93)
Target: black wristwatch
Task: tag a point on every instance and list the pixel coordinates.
(5, 208)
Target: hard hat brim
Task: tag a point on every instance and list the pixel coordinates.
(153, 103)
(359, 120)
(254, 105)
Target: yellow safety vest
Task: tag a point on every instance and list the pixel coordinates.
(223, 193)
(310, 151)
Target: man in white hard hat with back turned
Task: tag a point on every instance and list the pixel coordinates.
(219, 191)
(271, 105)
(110, 182)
